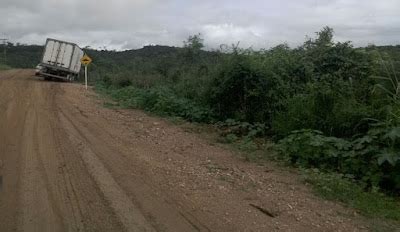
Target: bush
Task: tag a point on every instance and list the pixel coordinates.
(330, 108)
(122, 81)
(244, 91)
(4, 67)
(161, 101)
(339, 187)
(373, 159)
(242, 129)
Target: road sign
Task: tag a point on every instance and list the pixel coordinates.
(86, 60)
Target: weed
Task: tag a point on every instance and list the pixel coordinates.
(344, 189)
(4, 67)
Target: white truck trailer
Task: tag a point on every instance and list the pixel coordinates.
(60, 60)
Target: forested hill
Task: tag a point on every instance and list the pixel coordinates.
(122, 57)
(21, 56)
(28, 56)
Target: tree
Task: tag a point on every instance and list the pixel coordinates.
(194, 42)
(325, 37)
(192, 48)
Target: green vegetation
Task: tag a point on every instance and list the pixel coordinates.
(20, 56)
(4, 67)
(158, 100)
(338, 187)
(327, 105)
(330, 106)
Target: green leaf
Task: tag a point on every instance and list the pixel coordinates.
(393, 134)
(390, 156)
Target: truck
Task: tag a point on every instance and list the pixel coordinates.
(60, 60)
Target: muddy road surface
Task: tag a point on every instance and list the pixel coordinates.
(67, 163)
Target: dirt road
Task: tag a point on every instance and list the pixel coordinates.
(69, 164)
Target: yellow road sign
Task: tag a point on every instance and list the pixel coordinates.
(86, 60)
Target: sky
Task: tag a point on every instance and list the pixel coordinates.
(131, 24)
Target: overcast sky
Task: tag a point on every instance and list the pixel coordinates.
(127, 24)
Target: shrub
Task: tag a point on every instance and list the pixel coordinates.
(340, 187)
(122, 81)
(242, 129)
(161, 101)
(373, 159)
(330, 108)
(242, 90)
(4, 67)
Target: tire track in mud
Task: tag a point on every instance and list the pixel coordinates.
(126, 211)
(53, 164)
(13, 112)
(37, 210)
(45, 186)
(76, 196)
(161, 213)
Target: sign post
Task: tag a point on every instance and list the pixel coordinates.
(86, 60)
(86, 76)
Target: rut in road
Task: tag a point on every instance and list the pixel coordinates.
(68, 164)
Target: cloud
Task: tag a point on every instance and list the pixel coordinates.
(232, 34)
(126, 24)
